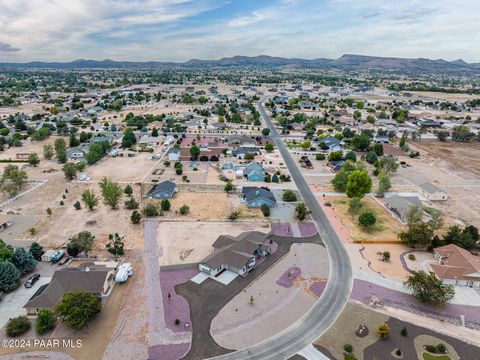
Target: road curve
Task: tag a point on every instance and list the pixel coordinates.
(327, 309)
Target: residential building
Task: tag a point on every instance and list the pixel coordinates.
(240, 152)
(163, 190)
(400, 205)
(236, 254)
(255, 197)
(433, 192)
(254, 171)
(174, 154)
(457, 266)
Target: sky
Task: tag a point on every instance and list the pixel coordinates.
(179, 30)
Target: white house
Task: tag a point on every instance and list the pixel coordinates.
(174, 155)
(432, 192)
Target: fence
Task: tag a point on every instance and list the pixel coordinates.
(40, 183)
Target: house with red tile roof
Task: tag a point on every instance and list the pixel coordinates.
(457, 266)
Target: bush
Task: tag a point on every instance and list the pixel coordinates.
(398, 352)
(184, 210)
(131, 204)
(150, 210)
(441, 348)
(77, 205)
(411, 257)
(165, 205)
(348, 348)
(430, 348)
(349, 356)
(404, 331)
(179, 171)
(45, 321)
(234, 215)
(135, 217)
(18, 326)
(288, 196)
(320, 156)
(367, 219)
(265, 210)
(177, 321)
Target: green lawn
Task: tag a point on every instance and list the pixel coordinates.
(428, 356)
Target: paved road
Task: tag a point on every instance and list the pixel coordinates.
(324, 313)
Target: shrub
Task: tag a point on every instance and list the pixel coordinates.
(166, 163)
(184, 210)
(77, 205)
(349, 356)
(320, 156)
(177, 321)
(348, 348)
(386, 255)
(135, 217)
(367, 219)
(45, 321)
(165, 205)
(404, 331)
(18, 326)
(265, 210)
(288, 196)
(398, 352)
(179, 171)
(441, 348)
(150, 210)
(131, 204)
(411, 257)
(234, 215)
(383, 331)
(431, 348)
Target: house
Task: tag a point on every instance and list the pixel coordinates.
(381, 139)
(433, 192)
(217, 126)
(98, 139)
(240, 152)
(77, 153)
(254, 171)
(241, 140)
(400, 205)
(255, 197)
(456, 266)
(150, 140)
(236, 254)
(331, 144)
(89, 277)
(174, 154)
(163, 190)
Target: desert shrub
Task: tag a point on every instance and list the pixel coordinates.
(441, 348)
(404, 331)
(411, 257)
(150, 210)
(431, 348)
(348, 348)
(18, 326)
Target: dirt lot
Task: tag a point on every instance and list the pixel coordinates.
(29, 147)
(386, 228)
(463, 155)
(127, 170)
(187, 242)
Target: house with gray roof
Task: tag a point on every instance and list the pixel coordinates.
(254, 171)
(255, 197)
(236, 254)
(164, 190)
(240, 152)
(89, 277)
(400, 205)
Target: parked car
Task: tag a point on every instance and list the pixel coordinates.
(31, 280)
(57, 256)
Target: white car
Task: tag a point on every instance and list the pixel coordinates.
(124, 272)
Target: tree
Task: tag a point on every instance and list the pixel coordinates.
(131, 204)
(289, 196)
(194, 152)
(6, 251)
(90, 199)
(269, 147)
(265, 132)
(150, 210)
(418, 235)
(371, 157)
(70, 171)
(15, 175)
(429, 289)
(83, 241)
(9, 277)
(387, 165)
(361, 142)
(18, 326)
(320, 156)
(135, 217)
(154, 132)
(128, 139)
(384, 184)
(383, 331)
(184, 209)
(61, 150)
(301, 211)
(128, 190)
(46, 320)
(351, 156)
(442, 135)
(463, 238)
(178, 170)
(77, 307)
(165, 205)
(367, 219)
(37, 251)
(229, 186)
(265, 210)
(97, 151)
(354, 206)
(414, 215)
(115, 245)
(33, 159)
(111, 192)
(378, 149)
(358, 184)
(49, 212)
(48, 152)
(335, 156)
(23, 260)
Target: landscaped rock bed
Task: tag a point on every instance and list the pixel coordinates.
(288, 278)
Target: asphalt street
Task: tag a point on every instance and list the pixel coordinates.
(327, 309)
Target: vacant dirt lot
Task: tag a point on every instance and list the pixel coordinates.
(386, 228)
(122, 169)
(188, 242)
(466, 156)
(28, 147)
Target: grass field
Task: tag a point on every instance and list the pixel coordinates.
(428, 356)
(386, 229)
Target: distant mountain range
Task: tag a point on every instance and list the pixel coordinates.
(345, 62)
